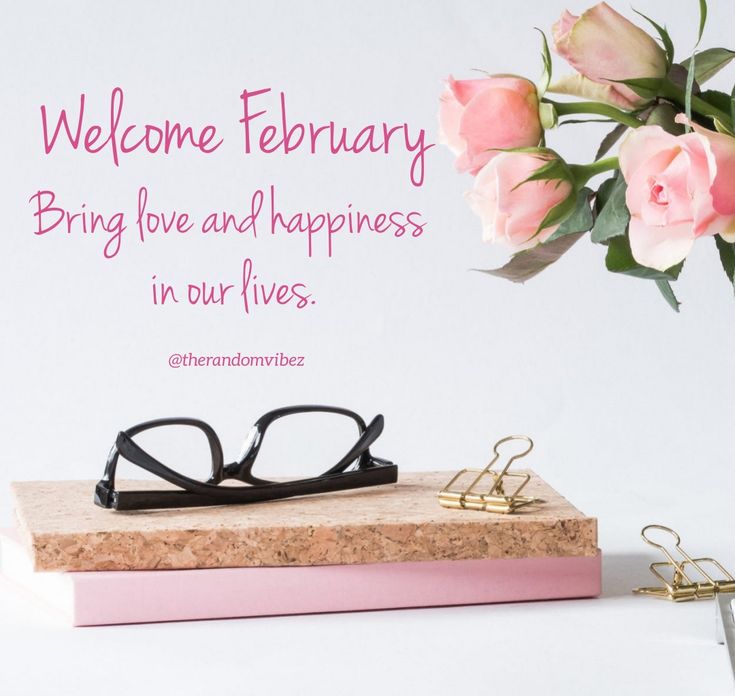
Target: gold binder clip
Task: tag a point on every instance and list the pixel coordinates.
(500, 497)
(686, 578)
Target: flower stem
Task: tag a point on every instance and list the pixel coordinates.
(582, 173)
(567, 108)
(699, 105)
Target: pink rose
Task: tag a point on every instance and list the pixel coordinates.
(603, 46)
(479, 117)
(679, 188)
(723, 179)
(511, 211)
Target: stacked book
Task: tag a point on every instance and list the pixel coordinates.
(386, 547)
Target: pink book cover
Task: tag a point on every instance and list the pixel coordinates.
(143, 596)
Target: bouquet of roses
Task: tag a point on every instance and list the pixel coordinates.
(672, 181)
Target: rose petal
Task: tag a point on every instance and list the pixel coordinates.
(584, 88)
(465, 90)
(562, 27)
(640, 144)
(450, 113)
(660, 247)
(498, 118)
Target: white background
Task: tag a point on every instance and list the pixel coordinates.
(629, 403)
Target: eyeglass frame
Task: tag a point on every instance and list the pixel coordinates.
(369, 470)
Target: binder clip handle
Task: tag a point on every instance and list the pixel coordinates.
(661, 528)
(513, 438)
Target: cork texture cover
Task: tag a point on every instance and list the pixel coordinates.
(64, 530)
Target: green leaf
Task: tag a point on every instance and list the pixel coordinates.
(721, 100)
(620, 259)
(702, 18)
(609, 140)
(580, 220)
(526, 264)
(570, 121)
(677, 75)
(603, 193)
(709, 63)
(612, 220)
(732, 105)
(547, 115)
(720, 127)
(727, 257)
(558, 213)
(543, 153)
(546, 59)
(688, 91)
(663, 115)
(665, 38)
(665, 287)
(552, 170)
(646, 87)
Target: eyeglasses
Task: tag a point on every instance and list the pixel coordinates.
(356, 469)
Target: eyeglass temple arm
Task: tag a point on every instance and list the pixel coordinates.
(361, 447)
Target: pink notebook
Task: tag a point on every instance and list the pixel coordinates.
(142, 596)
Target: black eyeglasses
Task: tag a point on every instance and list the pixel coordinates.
(356, 469)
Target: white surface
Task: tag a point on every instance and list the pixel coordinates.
(618, 644)
(54, 589)
(628, 403)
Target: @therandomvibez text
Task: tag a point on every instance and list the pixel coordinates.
(265, 130)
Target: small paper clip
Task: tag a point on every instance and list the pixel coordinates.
(498, 498)
(686, 578)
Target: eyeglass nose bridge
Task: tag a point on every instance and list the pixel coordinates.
(252, 440)
(241, 468)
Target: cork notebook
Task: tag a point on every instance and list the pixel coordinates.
(64, 530)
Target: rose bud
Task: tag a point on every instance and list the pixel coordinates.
(604, 47)
(477, 118)
(511, 208)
